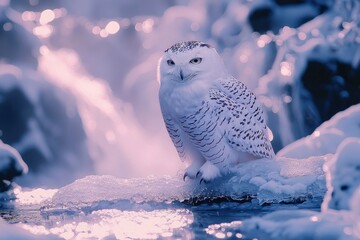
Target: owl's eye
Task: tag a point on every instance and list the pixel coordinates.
(170, 62)
(196, 60)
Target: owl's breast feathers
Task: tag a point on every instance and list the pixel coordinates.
(202, 127)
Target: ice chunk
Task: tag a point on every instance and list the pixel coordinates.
(270, 181)
(93, 189)
(282, 180)
(34, 196)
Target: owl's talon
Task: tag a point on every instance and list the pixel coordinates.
(197, 174)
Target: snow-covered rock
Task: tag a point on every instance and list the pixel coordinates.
(11, 165)
(42, 123)
(313, 75)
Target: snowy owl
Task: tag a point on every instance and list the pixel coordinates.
(214, 120)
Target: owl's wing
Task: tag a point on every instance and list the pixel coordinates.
(244, 126)
(176, 136)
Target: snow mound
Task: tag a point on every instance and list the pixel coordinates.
(343, 175)
(327, 137)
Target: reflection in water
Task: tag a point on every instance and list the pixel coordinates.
(120, 224)
(225, 230)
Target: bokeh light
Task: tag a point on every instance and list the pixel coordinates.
(286, 69)
(112, 27)
(46, 16)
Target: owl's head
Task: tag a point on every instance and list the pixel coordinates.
(190, 61)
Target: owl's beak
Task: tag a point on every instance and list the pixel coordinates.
(184, 75)
(181, 74)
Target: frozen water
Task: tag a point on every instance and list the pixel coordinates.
(43, 124)
(114, 134)
(94, 189)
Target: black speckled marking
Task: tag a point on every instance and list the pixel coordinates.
(186, 46)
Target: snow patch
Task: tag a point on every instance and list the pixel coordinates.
(327, 137)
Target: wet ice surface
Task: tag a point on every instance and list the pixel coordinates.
(149, 221)
(121, 219)
(167, 207)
